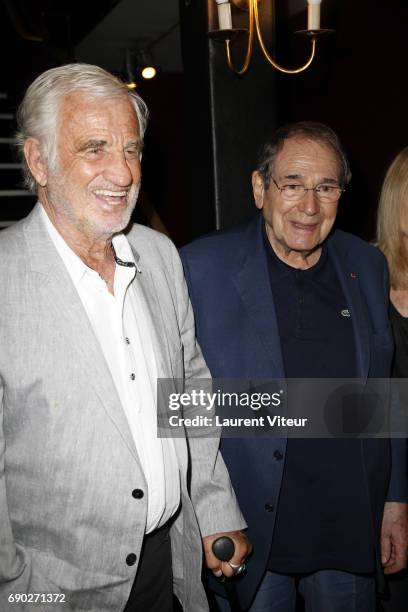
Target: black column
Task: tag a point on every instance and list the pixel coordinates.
(227, 116)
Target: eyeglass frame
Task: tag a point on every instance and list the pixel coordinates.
(306, 189)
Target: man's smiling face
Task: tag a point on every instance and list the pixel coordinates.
(93, 189)
(297, 229)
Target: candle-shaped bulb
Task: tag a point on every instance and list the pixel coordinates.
(313, 14)
(224, 15)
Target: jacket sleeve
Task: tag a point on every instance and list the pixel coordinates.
(211, 490)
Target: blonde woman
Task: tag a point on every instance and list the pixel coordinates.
(392, 238)
(392, 230)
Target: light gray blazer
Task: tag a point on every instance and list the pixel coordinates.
(68, 464)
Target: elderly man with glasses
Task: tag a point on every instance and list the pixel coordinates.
(287, 296)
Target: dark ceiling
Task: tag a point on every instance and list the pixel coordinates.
(37, 34)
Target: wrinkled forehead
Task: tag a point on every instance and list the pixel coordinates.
(80, 113)
(302, 156)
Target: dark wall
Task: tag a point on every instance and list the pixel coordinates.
(165, 158)
(226, 117)
(356, 86)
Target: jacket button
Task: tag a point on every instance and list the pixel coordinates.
(137, 493)
(269, 507)
(131, 559)
(278, 455)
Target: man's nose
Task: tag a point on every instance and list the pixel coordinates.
(119, 171)
(309, 204)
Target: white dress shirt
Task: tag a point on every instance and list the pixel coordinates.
(124, 330)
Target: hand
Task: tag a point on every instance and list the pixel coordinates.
(243, 548)
(394, 537)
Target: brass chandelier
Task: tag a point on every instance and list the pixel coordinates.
(227, 33)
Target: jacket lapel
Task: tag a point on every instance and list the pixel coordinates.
(253, 286)
(347, 272)
(72, 321)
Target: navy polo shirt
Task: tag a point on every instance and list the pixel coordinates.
(323, 514)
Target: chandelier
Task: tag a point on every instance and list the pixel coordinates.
(227, 33)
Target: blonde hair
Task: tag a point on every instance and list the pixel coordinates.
(37, 115)
(389, 235)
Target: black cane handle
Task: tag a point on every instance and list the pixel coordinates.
(223, 548)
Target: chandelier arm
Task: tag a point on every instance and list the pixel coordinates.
(249, 47)
(254, 4)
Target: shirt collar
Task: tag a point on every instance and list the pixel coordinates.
(123, 250)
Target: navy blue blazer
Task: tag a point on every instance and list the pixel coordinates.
(236, 325)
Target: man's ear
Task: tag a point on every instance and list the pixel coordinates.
(35, 161)
(258, 189)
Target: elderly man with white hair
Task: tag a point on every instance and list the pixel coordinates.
(95, 514)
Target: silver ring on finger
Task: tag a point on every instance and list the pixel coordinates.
(237, 569)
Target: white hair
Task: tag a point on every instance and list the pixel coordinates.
(37, 114)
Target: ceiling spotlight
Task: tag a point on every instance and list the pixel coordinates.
(129, 71)
(149, 72)
(139, 64)
(144, 63)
